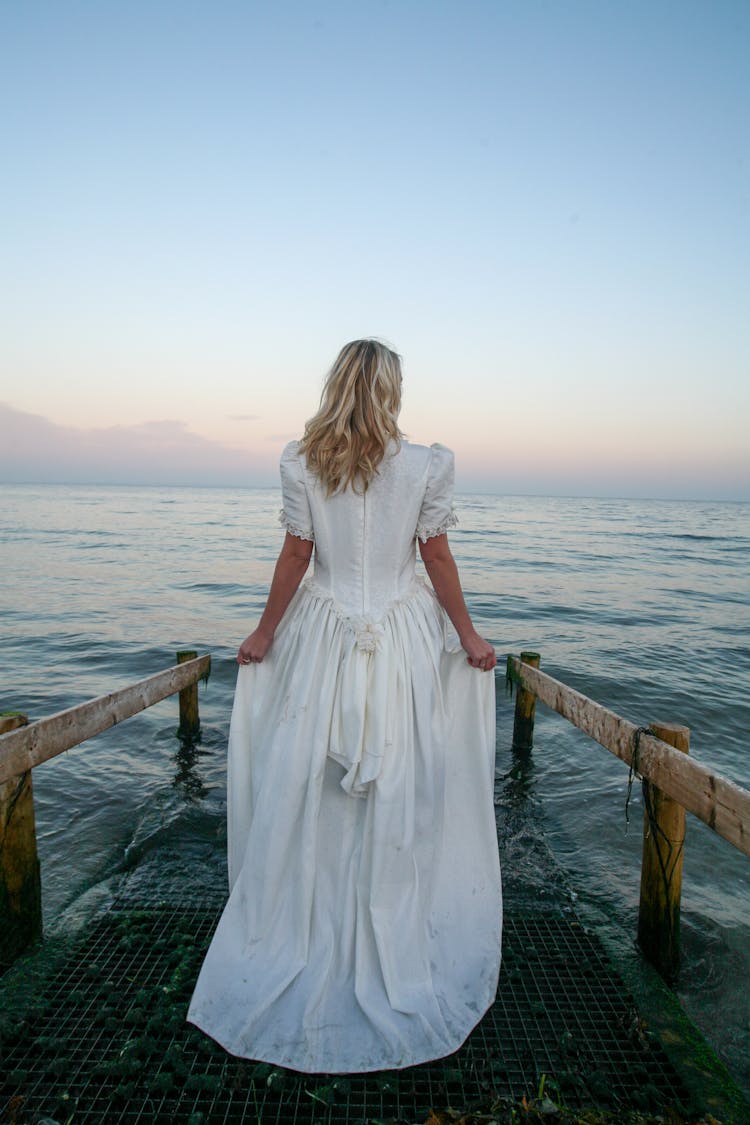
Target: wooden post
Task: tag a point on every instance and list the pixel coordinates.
(190, 723)
(523, 719)
(20, 883)
(661, 865)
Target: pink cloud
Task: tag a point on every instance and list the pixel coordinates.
(156, 452)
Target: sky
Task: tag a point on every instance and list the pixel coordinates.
(543, 206)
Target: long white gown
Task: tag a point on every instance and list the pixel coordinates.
(363, 926)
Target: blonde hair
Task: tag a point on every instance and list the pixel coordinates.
(346, 440)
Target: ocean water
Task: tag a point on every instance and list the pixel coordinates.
(643, 605)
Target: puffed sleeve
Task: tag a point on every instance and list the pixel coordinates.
(295, 514)
(436, 514)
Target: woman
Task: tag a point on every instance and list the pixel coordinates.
(362, 930)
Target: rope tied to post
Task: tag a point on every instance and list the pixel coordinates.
(633, 771)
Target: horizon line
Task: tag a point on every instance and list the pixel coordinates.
(458, 492)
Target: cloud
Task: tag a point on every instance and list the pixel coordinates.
(37, 450)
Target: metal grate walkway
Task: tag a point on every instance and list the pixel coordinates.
(108, 1042)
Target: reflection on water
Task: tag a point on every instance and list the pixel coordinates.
(187, 779)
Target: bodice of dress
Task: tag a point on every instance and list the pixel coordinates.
(365, 548)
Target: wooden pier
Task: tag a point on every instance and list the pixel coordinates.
(92, 1028)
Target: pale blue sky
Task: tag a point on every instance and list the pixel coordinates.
(545, 207)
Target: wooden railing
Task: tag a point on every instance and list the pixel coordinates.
(672, 782)
(26, 745)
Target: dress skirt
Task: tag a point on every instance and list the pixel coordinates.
(363, 926)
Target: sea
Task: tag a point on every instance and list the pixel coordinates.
(644, 605)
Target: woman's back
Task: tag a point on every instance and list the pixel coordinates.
(365, 540)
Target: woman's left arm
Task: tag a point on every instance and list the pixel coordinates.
(291, 565)
(443, 573)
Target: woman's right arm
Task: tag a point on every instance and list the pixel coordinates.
(291, 565)
(443, 573)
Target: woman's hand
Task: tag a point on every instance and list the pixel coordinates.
(441, 568)
(479, 652)
(254, 648)
(290, 568)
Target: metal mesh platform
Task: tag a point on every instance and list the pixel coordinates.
(108, 1041)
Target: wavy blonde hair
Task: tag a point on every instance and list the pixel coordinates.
(346, 440)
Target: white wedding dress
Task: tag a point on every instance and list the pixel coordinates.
(362, 931)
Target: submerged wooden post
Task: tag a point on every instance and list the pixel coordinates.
(20, 883)
(523, 719)
(661, 865)
(190, 722)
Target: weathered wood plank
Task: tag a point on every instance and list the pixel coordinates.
(718, 802)
(26, 747)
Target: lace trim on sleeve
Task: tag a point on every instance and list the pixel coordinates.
(297, 532)
(425, 533)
